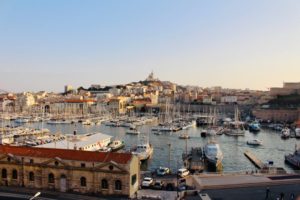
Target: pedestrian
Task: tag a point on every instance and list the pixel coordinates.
(281, 196)
(267, 192)
(292, 197)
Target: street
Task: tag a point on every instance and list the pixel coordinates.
(254, 193)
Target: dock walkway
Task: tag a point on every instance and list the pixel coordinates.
(257, 162)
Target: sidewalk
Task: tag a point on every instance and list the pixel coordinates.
(54, 195)
(238, 181)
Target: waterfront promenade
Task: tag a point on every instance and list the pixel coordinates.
(225, 181)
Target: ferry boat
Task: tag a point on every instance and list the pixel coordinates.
(116, 145)
(294, 159)
(143, 151)
(213, 154)
(254, 142)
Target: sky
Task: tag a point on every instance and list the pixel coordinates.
(47, 44)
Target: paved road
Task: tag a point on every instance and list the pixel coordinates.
(253, 193)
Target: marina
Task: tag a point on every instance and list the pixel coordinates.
(233, 148)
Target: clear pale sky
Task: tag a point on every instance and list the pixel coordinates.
(46, 44)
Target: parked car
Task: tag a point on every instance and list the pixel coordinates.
(158, 185)
(162, 171)
(147, 182)
(183, 172)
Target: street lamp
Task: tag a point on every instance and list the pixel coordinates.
(35, 196)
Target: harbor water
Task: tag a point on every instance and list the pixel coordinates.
(273, 149)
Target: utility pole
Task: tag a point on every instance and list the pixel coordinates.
(169, 155)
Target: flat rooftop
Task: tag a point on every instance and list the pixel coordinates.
(77, 141)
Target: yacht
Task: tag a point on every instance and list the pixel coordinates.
(238, 128)
(143, 151)
(254, 142)
(116, 145)
(285, 133)
(213, 154)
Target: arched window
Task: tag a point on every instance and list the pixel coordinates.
(31, 176)
(4, 173)
(104, 184)
(15, 174)
(50, 178)
(83, 182)
(118, 185)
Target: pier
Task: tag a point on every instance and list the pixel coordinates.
(257, 162)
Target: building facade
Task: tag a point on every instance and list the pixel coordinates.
(70, 170)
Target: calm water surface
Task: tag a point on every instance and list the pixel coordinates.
(274, 148)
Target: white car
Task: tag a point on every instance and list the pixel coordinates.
(147, 182)
(183, 172)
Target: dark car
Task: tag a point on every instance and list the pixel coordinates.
(158, 185)
(170, 187)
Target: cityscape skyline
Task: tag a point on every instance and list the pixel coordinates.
(46, 45)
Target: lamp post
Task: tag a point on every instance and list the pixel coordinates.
(169, 155)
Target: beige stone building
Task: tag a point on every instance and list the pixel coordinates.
(70, 170)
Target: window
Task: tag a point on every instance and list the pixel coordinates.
(31, 176)
(4, 173)
(15, 174)
(82, 165)
(133, 179)
(50, 178)
(83, 182)
(111, 167)
(56, 163)
(104, 184)
(31, 161)
(118, 185)
(8, 159)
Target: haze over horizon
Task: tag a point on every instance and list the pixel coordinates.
(45, 45)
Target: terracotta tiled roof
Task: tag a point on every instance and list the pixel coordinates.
(80, 100)
(121, 158)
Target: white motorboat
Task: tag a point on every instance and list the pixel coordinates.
(213, 154)
(116, 145)
(59, 122)
(133, 131)
(184, 136)
(21, 120)
(285, 133)
(297, 132)
(254, 142)
(86, 122)
(143, 151)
